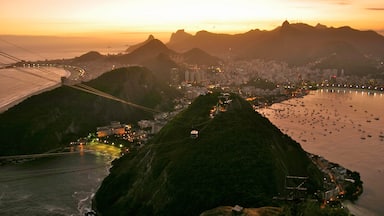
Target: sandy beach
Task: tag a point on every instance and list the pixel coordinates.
(17, 84)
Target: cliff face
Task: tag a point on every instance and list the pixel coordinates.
(53, 119)
(239, 157)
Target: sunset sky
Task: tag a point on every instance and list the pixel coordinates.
(66, 17)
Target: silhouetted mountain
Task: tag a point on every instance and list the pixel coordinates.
(53, 119)
(89, 56)
(239, 157)
(180, 36)
(134, 47)
(214, 44)
(147, 51)
(154, 55)
(294, 43)
(199, 57)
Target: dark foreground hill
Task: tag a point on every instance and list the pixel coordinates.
(239, 158)
(53, 119)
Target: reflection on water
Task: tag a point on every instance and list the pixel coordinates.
(345, 126)
(61, 185)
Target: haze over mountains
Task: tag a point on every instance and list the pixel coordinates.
(297, 44)
(152, 54)
(345, 49)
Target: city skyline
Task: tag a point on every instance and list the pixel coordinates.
(43, 17)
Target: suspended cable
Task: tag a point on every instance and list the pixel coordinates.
(34, 74)
(80, 86)
(22, 48)
(94, 91)
(9, 56)
(39, 173)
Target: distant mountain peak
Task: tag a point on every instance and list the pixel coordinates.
(155, 44)
(285, 23)
(202, 32)
(180, 31)
(150, 37)
(89, 56)
(320, 26)
(143, 52)
(134, 47)
(200, 57)
(179, 36)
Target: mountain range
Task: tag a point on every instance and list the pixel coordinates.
(357, 52)
(346, 49)
(152, 54)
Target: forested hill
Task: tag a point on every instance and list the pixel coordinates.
(239, 157)
(54, 118)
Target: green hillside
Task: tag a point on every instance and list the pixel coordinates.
(53, 119)
(239, 158)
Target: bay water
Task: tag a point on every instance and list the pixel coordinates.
(345, 126)
(59, 185)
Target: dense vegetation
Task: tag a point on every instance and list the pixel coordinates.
(53, 119)
(355, 188)
(238, 158)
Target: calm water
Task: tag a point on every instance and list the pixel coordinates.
(344, 126)
(61, 185)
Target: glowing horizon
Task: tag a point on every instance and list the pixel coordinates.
(52, 17)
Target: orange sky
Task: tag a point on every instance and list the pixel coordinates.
(79, 17)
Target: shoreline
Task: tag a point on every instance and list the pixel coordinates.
(43, 87)
(24, 97)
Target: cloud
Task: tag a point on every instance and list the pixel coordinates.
(341, 2)
(332, 2)
(375, 8)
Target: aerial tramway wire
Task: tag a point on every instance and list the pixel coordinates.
(22, 48)
(119, 99)
(11, 57)
(16, 59)
(82, 87)
(33, 74)
(45, 172)
(94, 91)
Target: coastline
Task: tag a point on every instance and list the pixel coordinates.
(27, 91)
(24, 97)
